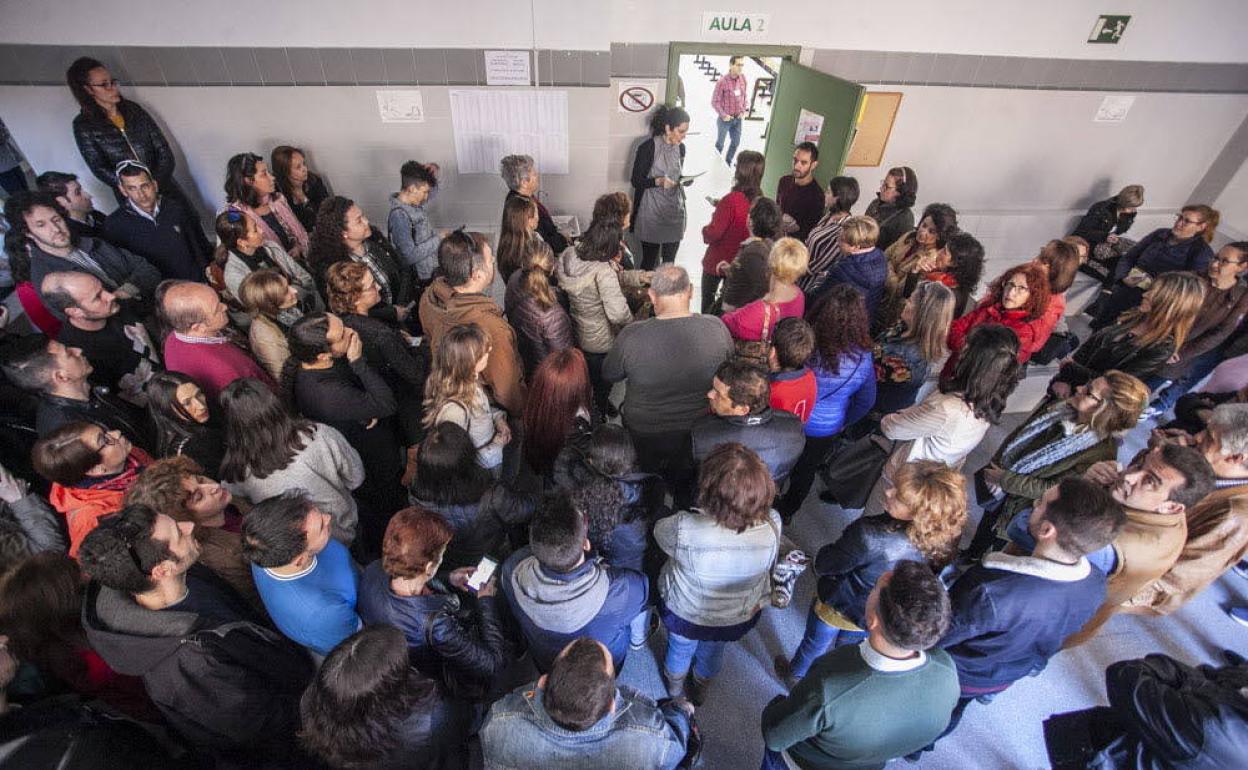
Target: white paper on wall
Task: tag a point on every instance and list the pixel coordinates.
(401, 106)
(489, 125)
(1114, 108)
(507, 68)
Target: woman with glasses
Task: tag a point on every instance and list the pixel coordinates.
(1185, 246)
(1060, 439)
(1017, 300)
(1225, 305)
(91, 469)
(250, 188)
(110, 128)
(892, 207)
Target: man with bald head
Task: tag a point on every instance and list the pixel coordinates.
(198, 345)
(109, 335)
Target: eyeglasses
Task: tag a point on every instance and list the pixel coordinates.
(1193, 222)
(1016, 287)
(113, 83)
(1220, 261)
(106, 439)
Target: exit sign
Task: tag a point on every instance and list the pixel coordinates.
(1109, 29)
(735, 25)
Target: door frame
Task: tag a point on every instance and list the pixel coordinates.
(684, 48)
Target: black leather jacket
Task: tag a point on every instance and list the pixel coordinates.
(1113, 348)
(103, 145)
(849, 568)
(101, 409)
(1101, 220)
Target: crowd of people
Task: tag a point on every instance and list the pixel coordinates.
(323, 495)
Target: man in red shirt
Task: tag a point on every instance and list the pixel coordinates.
(198, 346)
(729, 102)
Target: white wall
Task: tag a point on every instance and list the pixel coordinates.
(1233, 204)
(573, 24)
(357, 153)
(1160, 30)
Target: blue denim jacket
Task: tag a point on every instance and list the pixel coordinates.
(638, 735)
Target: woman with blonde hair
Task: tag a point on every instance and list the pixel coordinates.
(860, 264)
(273, 305)
(1185, 246)
(1061, 438)
(757, 320)
(1143, 339)
(517, 235)
(925, 512)
(454, 393)
(537, 309)
(906, 353)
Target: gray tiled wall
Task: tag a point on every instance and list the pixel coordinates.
(46, 64)
(160, 66)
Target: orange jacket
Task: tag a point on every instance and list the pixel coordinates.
(83, 509)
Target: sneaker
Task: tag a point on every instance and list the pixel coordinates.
(1241, 569)
(1239, 615)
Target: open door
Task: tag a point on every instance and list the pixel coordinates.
(825, 111)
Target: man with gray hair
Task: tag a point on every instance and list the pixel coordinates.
(669, 362)
(1217, 526)
(520, 174)
(112, 338)
(198, 345)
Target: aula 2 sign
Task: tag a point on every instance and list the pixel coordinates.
(735, 25)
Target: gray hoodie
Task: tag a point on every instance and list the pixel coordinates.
(413, 236)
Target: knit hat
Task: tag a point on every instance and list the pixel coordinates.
(1131, 196)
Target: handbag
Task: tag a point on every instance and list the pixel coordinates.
(786, 566)
(851, 472)
(757, 351)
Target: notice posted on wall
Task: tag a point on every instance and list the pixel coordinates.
(401, 106)
(508, 68)
(809, 127)
(1114, 108)
(490, 125)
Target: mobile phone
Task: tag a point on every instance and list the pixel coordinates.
(485, 571)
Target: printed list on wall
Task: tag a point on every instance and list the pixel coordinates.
(489, 125)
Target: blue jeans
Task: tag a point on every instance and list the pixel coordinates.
(1200, 367)
(819, 637)
(705, 657)
(733, 129)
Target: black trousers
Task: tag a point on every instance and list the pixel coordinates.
(803, 476)
(670, 455)
(602, 388)
(650, 253)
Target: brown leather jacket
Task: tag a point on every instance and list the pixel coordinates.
(1217, 538)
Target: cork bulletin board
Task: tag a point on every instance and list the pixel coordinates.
(875, 124)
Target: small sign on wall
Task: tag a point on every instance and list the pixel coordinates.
(508, 68)
(1114, 108)
(401, 106)
(809, 127)
(637, 96)
(735, 25)
(1109, 29)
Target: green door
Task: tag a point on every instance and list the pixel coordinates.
(828, 104)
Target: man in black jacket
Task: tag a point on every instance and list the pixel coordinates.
(226, 683)
(83, 220)
(740, 397)
(158, 228)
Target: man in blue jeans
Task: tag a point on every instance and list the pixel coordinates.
(729, 103)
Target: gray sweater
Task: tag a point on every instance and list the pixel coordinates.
(669, 364)
(327, 469)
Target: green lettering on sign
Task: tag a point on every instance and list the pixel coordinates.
(1109, 29)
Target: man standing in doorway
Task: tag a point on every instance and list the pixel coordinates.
(799, 195)
(729, 103)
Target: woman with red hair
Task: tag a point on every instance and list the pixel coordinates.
(558, 405)
(1015, 300)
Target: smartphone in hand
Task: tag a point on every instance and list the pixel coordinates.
(483, 573)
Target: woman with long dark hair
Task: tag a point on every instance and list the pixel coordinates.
(728, 227)
(558, 405)
(329, 381)
(952, 420)
(184, 425)
(658, 195)
(252, 189)
(518, 235)
(389, 350)
(845, 382)
(920, 255)
(304, 190)
(343, 234)
(110, 128)
(268, 451)
(368, 707)
(242, 250)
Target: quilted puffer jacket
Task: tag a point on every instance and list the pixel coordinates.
(103, 145)
(539, 331)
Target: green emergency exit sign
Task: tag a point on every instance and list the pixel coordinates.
(1109, 29)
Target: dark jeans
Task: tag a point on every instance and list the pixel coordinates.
(817, 639)
(650, 253)
(1200, 367)
(710, 285)
(669, 455)
(602, 388)
(803, 476)
(733, 129)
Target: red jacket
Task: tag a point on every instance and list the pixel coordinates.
(1015, 320)
(729, 226)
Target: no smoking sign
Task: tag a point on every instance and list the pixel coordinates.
(636, 98)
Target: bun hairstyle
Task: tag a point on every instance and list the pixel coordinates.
(907, 185)
(666, 117)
